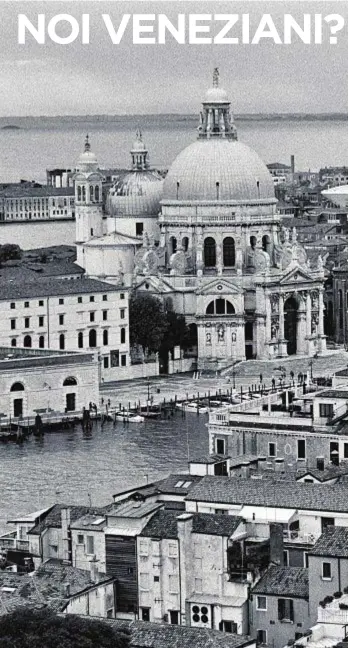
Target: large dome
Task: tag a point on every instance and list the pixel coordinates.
(137, 193)
(218, 170)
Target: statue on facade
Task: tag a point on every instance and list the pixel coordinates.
(208, 337)
(220, 333)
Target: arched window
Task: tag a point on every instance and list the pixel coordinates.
(92, 338)
(253, 242)
(91, 193)
(79, 192)
(228, 251)
(41, 342)
(105, 337)
(62, 341)
(97, 193)
(123, 335)
(173, 245)
(13, 342)
(220, 307)
(17, 386)
(27, 342)
(209, 252)
(185, 243)
(83, 194)
(266, 243)
(80, 340)
(68, 382)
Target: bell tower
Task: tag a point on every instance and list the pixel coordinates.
(88, 200)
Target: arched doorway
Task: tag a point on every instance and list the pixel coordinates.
(290, 325)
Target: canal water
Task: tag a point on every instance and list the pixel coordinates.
(72, 468)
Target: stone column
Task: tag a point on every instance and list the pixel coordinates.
(301, 333)
(308, 314)
(282, 341)
(322, 337)
(219, 257)
(281, 317)
(199, 253)
(268, 319)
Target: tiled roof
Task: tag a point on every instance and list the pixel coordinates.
(36, 271)
(45, 586)
(25, 191)
(164, 524)
(154, 635)
(333, 543)
(53, 519)
(333, 393)
(284, 581)
(50, 287)
(266, 492)
(330, 472)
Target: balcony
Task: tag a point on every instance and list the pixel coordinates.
(9, 541)
(297, 537)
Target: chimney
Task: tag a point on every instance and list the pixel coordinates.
(245, 470)
(280, 465)
(276, 555)
(292, 164)
(65, 524)
(66, 590)
(94, 570)
(261, 462)
(186, 562)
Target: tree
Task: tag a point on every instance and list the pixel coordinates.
(177, 332)
(27, 628)
(147, 321)
(10, 252)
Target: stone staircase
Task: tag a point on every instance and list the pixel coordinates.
(323, 366)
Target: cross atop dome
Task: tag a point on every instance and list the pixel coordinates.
(87, 143)
(215, 118)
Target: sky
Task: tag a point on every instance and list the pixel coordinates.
(100, 77)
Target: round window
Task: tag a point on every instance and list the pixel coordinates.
(196, 618)
(204, 618)
(204, 610)
(196, 609)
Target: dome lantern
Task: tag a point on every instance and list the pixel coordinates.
(215, 118)
(139, 153)
(87, 162)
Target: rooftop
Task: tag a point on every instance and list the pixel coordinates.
(44, 587)
(330, 472)
(164, 524)
(51, 287)
(332, 543)
(284, 581)
(266, 492)
(154, 635)
(22, 190)
(54, 517)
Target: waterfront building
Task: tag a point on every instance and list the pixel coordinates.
(281, 596)
(279, 170)
(309, 432)
(81, 315)
(243, 282)
(43, 381)
(24, 202)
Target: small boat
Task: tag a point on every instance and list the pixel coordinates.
(128, 417)
(192, 407)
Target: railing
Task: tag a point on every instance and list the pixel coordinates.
(332, 615)
(297, 536)
(9, 541)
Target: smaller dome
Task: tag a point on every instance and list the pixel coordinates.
(137, 193)
(216, 95)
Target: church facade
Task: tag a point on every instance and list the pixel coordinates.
(209, 238)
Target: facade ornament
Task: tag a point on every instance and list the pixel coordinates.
(294, 235)
(220, 333)
(274, 302)
(208, 337)
(320, 264)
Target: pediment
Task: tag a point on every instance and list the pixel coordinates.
(218, 286)
(296, 275)
(153, 284)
